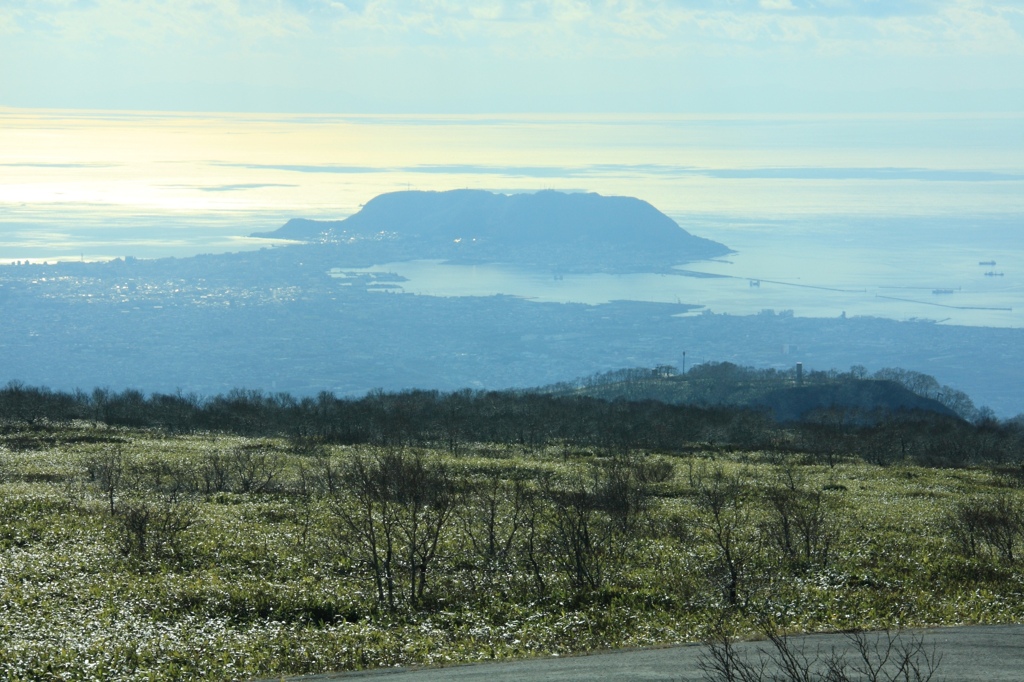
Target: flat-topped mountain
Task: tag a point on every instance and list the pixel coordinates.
(552, 229)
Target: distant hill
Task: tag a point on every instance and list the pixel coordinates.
(550, 229)
(780, 393)
(864, 397)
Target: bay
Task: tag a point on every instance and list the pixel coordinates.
(828, 215)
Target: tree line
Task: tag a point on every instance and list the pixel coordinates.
(725, 383)
(540, 418)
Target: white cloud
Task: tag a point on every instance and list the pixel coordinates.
(777, 4)
(8, 25)
(547, 26)
(342, 46)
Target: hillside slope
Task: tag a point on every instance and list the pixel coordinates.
(779, 393)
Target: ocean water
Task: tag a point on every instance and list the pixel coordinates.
(827, 215)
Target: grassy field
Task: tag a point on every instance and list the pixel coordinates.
(134, 555)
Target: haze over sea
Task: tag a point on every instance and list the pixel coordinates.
(889, 215)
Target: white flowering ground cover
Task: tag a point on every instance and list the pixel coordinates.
(251, 562)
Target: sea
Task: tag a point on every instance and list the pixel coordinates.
(899, 216)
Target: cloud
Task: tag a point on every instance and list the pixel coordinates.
(57, 165)
(270, 54)
(508, 25)
(777, 4)
(585, 171)
(232, 187)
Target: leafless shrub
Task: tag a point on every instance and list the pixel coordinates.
(254, 468)
(720, 497)
(250, 468)
(580, 542)
(110, 471)
(146, 528)
(988, 526)
(803, 524)
(624, 488)
(495, 515)
(888, 656)
(318, 475)
(395, 505)
(214, 472)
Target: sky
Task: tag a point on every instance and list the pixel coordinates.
(544, 56)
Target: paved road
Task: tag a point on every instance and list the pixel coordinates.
(984, 653)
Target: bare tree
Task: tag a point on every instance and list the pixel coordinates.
(993, 526)
(494, 516)
(396, 505)
(110, 471)
(721, 498)
(580, 542)
(803, 524)
(624, 488)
